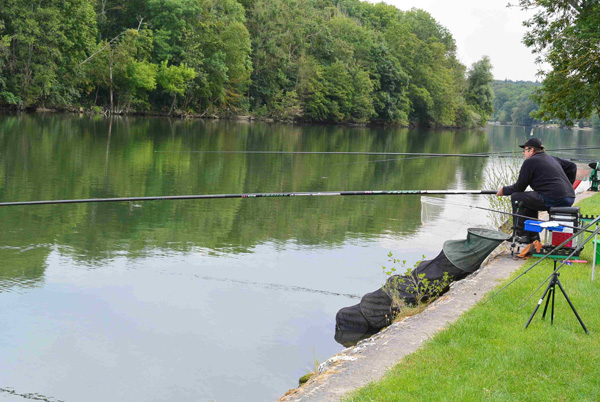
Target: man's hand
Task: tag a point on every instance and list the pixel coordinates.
(500, 193)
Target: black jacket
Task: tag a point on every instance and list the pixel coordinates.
(546, 174)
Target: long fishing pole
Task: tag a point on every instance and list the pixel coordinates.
(405, 158)
(441, 156)
(405, 155)
(474, 155)
(252, 195)
(545, 256)
(478, 155)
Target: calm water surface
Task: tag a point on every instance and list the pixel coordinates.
(226, 300)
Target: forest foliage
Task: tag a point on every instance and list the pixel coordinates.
(517, 103)
(335, 61)
(513, 103)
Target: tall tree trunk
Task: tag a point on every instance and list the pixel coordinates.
(110, 74)
(96, 98)
(173, 104)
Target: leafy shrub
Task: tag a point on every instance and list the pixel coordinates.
(422, 289)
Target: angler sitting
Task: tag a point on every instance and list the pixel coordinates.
(551, 179)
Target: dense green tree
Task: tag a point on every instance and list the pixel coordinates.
(121, 69)
(175, 24)
(479, 92)
(311, 88)
(282, 32)
(513, 102)
(228, 47)
(436, 79)
(210, 37)
(114, 16)
(521, 115)
(174, 79)
(42, 45)
(5, 94)
(391, 82)
(565, 34)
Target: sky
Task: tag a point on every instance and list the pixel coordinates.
(484, 28)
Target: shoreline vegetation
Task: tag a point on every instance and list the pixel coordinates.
(250, 118)
(310, 61)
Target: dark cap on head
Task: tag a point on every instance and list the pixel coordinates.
(533, 143)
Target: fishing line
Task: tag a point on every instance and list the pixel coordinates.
(269, 286)
(431, 200)
(386, 160)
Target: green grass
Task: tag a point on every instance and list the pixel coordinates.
(488, 355)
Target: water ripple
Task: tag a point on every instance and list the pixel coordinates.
(272, 286)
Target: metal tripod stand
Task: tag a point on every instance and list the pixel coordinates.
(550, 292)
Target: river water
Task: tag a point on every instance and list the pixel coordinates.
(225, 300)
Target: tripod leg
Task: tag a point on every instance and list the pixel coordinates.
(551, 284)
(551, 292)
(552, 311)
(572, 307)
(514, 229)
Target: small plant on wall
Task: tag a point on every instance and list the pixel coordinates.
(422, 290)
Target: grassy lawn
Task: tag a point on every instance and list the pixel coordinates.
(488, 355)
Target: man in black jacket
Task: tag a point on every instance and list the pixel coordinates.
(551, 179)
